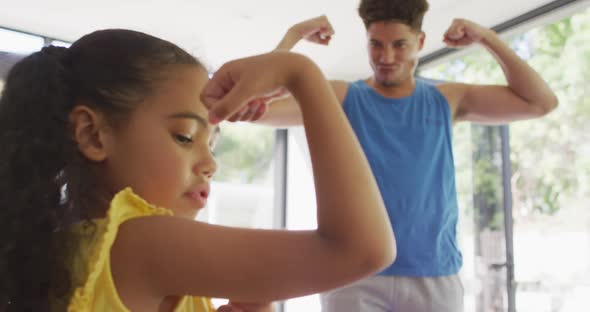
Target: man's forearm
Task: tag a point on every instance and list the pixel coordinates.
(289, 40)
(282, 114)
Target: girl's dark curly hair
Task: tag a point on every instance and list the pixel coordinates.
(409, 12)
(46, 184)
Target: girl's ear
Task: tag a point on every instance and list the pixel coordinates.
(90, 132)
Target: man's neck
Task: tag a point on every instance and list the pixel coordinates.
(402, 89)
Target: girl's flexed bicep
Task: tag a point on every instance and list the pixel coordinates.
(173, 256)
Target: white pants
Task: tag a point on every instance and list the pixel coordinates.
(397, 294)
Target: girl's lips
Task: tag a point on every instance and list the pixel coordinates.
(199, 197)
(198, 194)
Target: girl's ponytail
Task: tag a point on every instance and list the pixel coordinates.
(34, 150)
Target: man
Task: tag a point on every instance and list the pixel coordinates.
(404, 126)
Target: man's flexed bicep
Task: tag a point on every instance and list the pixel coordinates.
(525, 96)
(489, 104)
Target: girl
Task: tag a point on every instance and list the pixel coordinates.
(106, 160)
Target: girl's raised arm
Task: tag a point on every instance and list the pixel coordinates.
(174, 256)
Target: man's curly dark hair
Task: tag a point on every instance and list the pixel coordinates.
(409, 12)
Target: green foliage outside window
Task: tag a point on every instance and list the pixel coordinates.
(243, 152)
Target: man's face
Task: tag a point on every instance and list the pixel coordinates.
(393, 51)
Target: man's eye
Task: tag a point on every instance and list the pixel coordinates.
(183, 139)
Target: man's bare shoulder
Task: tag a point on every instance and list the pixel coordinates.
(340, 88)
(452, 91)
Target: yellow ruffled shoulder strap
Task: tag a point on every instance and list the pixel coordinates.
(125, 205)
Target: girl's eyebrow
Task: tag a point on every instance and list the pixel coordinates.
(189, 115)
(199, 119)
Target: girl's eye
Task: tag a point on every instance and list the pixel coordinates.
(183, 139)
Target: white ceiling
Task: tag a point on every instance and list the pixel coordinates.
(219, 30)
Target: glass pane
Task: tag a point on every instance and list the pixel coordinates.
(16, 42)
(551, 178)
(242, 189)
(13, 46)
(488, 220)
(462, 150)
(301, 205)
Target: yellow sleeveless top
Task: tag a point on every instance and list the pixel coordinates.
(90, 264)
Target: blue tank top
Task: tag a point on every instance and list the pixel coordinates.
(408, 142)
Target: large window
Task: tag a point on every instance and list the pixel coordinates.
(550, 179)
